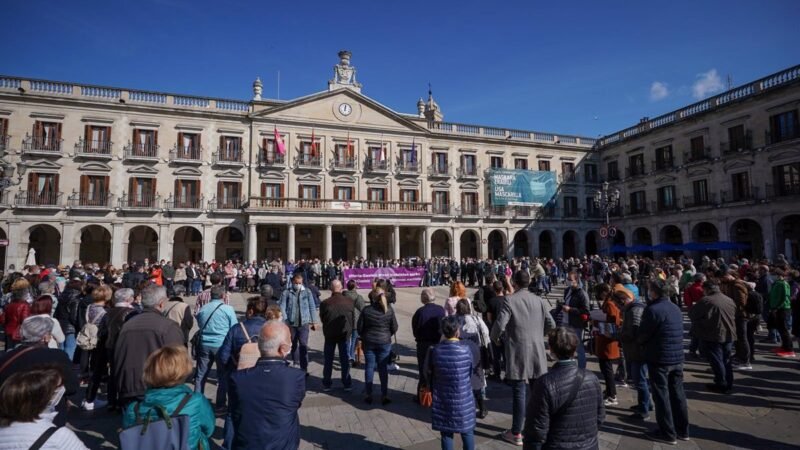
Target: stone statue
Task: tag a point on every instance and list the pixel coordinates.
(344, 75)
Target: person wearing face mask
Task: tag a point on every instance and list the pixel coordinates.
(28, 403)
(300, 314)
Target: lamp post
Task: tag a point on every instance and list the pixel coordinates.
(8, 170)
(606, 200)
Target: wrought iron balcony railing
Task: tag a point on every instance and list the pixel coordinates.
(41, 145)
(141, 152)
(146, 202)
(38, 199)
(187, 203)
(91, 200)
(186, 154)
(100, 149)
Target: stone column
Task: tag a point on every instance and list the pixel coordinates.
(252, 242)
(532, 248)
(164, 243)
(290, 243)
(455, 245)
(14, 249)
(426, 236)
(484, 244)
(363, 241)
(67, 243)
(328, 242)
(209, 242)
(509, 244)
(558, 240)
(396, 240)
(117, 238)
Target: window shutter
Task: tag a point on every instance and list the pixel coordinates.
(131, 187)
(87, 134)
(155, 138)
(153, 187)
(198, 193)
(58, 133)
(263, 189)
(199, 136)
(37, 130)
(136, 138)
(282, 191)
(55, 183)
(84, 184)
(221, 143)
(107, 134)
(3, 125)
(177, 188)
(180, 141)
(106, 185)
(220, 188)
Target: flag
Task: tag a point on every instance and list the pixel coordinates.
(313, 145)
(279, 143)
(383, 152)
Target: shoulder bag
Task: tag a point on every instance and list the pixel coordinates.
(249, 353)
(198, 337)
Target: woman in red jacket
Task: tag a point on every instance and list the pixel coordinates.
(16, 311)
(606, 343)
(156, 275)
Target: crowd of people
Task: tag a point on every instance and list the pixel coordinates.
(128, 333)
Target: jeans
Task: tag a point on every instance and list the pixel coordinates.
(672, 412)
(197, 286)
(607, 369)
(719, 357)
(581, 350)
(639, 373)
(206, 357)
(377, 356)
(351, 345)
(300, 342)
(743, 348)
(519, 403)
(782, 320)
(227, 432)
(344, 362)
(69, 345)
(422, 353)
(468, 439)
(752, 327)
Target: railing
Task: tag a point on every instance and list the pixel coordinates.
(694, 156)
(38, 199)
(468, 210)
(571, 213)
(225, 203)
(591, 178)
(376, 165)
(737, 146)
(631, 210)
(592, 214)
(407, 167)
(496, 211)
(771, 138)
(441, 210)
(524, 211)
(612, 177)
(468, 172)
(270, 159)
(186, 153)
(93, 148)
(141, 202)
(141, 151)
(40, 144)
(546, 212)
(187, 203)
(757, 87)
(661, 206)
(439, 170)
(782, 190)
(568, 177)
(354, 207)
(305, 161)
(732, 196)
(91, 200)
(502, 133)
(227, 157)
(635, 171)
(699, 202)
(348, 164)
(667, 164)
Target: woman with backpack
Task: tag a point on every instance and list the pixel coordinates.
(376, 325)
(92, 339)
(165, 371)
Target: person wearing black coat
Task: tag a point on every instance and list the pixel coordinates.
(376, 325)
(337, 315)
(425, 325)
(67, 313)
(570, 411)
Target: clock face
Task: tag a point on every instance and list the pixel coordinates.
(345, 109)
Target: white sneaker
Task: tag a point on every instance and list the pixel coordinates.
(96, 404)
(611, 401)
(87, 406)
(743, 367)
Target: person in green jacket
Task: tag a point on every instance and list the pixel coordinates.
(779, 307)
(165, 371)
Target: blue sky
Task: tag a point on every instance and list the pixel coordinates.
(581, 67)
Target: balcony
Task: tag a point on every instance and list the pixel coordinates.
(41, 146)
(661, 206)
(146, 203)
(376, 165)
(546, 212)
(571, 213)
(495, 211)
(227, 158)
(353, 207)
(439, 170)
(38, 200)
(771, 137)
(187, 203)
(468, 173)
(141, 153)
(524, 211)
(591, 178)
(93, 149)
(612, 177)
(707, 201)
(468, 210)
(308, 162)
(741, 145)
(632, 210)
(635, 171)
(186, 155)
(343, 165)
(225, 204)
(407, 167)
(782, 191)
(697, 156)
(269, 160)
(91, 201)
(568, 177)
(441, 210)
(737, 196)
(665, 165)
(592, 214)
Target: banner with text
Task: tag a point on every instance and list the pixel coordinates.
(399, 276)
(521, 187)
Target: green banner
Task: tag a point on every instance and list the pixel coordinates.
(521, 187)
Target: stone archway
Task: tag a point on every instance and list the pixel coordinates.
(497, 244)
(142, 243)
(748, 232)
(230, 244)
(703, 233)
(642, 237)
(46, 241)
(671, 235)
(787, 232)
(95, 245)
(469, 244)
(619, 240)
(440, 244)
(521, 244)
(569, 244)
(592, 242)
(546, 241)
(187, 245)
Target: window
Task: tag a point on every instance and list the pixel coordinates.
(666, 198)
(269, 153)
(700, 192)
(230, 148)
(638, 202)
(377, 157)
(42, 189)
(440, 163)
(590, 172)
(636, 165)
(93, 191)
(497, 162)
(468, 165)
(409, 159)
(229, 194)
(309, 191)
(343, 193)
(787, 179)
(344, 155)
(664, 158)
(377, 194)
(738, 140)
(740, 182)
(698, 148)
(142, 193)
(521, 163)
(409, 195)
(189, 146)
(469, 203)
(309, 154)
(441, 202)
(544, 165)
(570, 206)
(96, 139)
(272, 190)
(46, 136)
(783, 126)
(613, 170)
(591, 209)
(145, 143)
(568, 171)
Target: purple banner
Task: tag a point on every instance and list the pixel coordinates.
(399, 276)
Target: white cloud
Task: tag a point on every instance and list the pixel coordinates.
(707, 83)
(658, 91)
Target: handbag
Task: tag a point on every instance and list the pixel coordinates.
(425, 397)
(486, 356)
(198, 337)
(249, 353)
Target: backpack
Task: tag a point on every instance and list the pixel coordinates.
(479, 302)
(89, 335)
(249, 353)
(755, 303)
(167, 432)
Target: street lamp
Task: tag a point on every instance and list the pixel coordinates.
(8, 174)
(606, 200)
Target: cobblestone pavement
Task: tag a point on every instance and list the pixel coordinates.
(761, 414)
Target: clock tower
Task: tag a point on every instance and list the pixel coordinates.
(344, 75)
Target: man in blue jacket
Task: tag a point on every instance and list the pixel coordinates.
(267, 419)
(300, 314)
(661, 336)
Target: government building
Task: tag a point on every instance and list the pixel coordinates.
(107, 174)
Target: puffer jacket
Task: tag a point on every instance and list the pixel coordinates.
(631, 319)
(450, 366)
(661, 333)
(375, 326)
(577, 425)
(68, 311)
